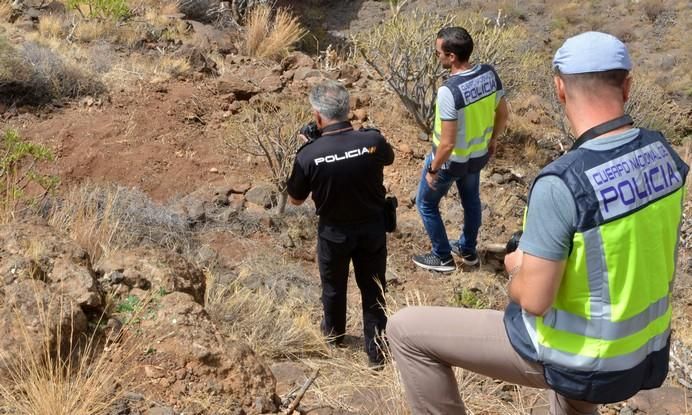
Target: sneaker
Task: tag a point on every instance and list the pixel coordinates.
(433, 262)
(468, 258)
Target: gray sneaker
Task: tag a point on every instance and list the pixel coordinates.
(434, 263)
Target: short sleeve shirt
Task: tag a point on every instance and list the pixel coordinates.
(551, 220)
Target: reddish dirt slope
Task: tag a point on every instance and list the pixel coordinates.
(162, 138)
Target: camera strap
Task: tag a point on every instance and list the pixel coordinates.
(601, 129)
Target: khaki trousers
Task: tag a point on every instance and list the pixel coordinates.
(427, 341)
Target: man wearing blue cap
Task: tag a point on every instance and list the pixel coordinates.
(590, 285)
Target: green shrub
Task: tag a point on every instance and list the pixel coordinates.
(18, 173)
(469, 298)
(104, 9)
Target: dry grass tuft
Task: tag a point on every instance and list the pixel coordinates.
(5, 10)
(275, 317)
(45, 382)
(129, 35)
(169, 8)
(172, 66)
(51, 26)
(103, 219)
(91, 30)
(271, 35)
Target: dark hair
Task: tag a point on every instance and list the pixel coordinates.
(593, 81)
(456, 40)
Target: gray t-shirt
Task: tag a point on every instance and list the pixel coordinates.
(552, 217)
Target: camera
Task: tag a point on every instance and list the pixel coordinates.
(513, 243)
(310, 131)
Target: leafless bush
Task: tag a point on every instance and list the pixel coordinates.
(106, 218)
(270, 130)
(508, 48)
(401, 51)
(58, 77)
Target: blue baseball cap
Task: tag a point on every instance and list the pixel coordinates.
(591, 52)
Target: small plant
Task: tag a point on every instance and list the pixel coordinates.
(128, 305)
(51, 26)
(271, 35)
(270, 131)
(469, 298)
(18, 171)
(102, 9)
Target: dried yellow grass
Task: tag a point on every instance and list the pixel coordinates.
(169, 8)
(345, 380)
(129, 34)
(5, 10)
(156, 18)
(274, 325)
(171, 65)
(271, 36)
(91, 30)
(42, 382)
(51, 26)
(94, 230)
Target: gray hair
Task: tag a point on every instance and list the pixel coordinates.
(330, 99)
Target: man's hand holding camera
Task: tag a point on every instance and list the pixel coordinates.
(309, 132)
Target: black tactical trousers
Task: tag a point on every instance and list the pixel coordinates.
(366, 245)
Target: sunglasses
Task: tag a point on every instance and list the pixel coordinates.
(438, 53)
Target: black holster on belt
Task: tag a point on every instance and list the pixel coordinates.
(390, 205)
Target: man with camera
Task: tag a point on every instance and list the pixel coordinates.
(590, 284)
(470, 113)
(343, 169)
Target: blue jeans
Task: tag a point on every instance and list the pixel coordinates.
(428, 204)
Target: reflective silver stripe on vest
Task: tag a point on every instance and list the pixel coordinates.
(606, 329)
(600, 325)
(597, 269)
(462, 144)
(592, 364)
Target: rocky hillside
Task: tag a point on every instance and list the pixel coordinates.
(158, 278)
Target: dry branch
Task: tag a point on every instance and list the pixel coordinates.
(292, 407)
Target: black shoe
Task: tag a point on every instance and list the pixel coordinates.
(468, 258)
(433, 262)
(332, 340)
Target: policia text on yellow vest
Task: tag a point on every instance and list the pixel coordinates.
(607, 334)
